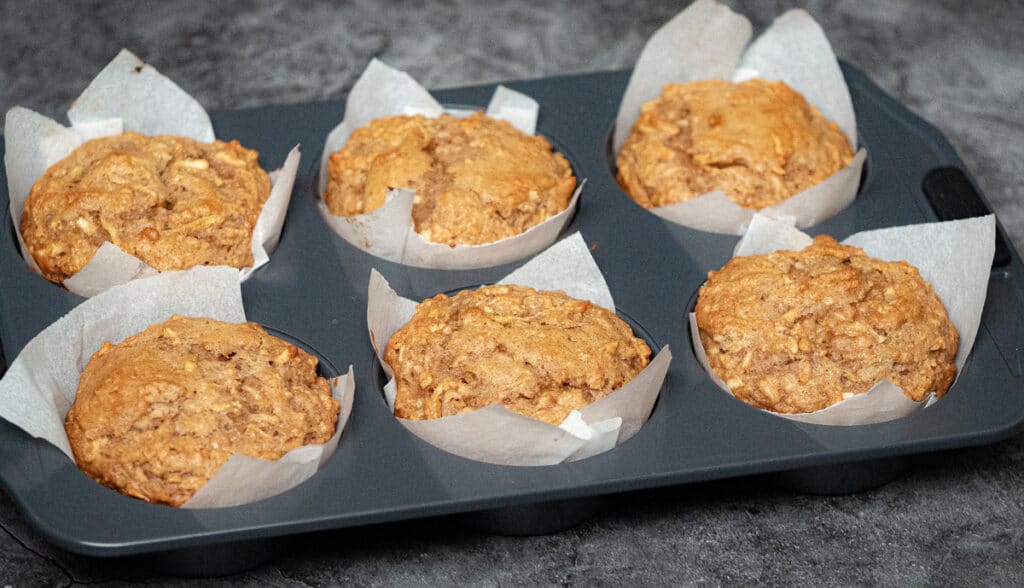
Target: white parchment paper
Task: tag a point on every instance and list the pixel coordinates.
(388, 231)
(127, 95)
(497, 435)
(707, 40)
(955, 257)
(39, 388)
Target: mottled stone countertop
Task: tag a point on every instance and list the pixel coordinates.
(956, 518)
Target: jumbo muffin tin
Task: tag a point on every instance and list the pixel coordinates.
(314, 292)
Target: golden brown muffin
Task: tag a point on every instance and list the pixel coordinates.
(477, 179)
(758, 141)
(158, 414)
(170, 201)
(798, 331)
(541, 354)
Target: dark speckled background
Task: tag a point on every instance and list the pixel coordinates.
(956, 518)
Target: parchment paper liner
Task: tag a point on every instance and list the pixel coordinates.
(496, 435)
(707, 40)
(39, 388)
(955, 257)
(388, 231)
(127, 95)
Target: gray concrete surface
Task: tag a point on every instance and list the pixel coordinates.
(957, 518)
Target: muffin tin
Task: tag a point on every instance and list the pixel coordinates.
(314, 291)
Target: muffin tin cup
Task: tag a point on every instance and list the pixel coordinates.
(494, 434)
(847, 478)
(709, 41)
(127, 95)
(315, 288)
(388, 232)
(40, 387)
(953, 256)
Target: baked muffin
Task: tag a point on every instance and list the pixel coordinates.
(477, 179)
(758, 141)
(539, 353)
(798, 331)
(158, 414)
(170, 201)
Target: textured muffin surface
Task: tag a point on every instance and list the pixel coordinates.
(170, 201)
(158, 414)
(758, 141)
(477, 179)
(797, 331)
(539, 353)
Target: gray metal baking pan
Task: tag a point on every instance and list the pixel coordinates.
(314, 290)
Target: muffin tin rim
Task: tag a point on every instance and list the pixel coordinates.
(651, 479)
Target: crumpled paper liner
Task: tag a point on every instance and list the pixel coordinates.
(388, 231)
(126, 95)
(39, 388)
(495, 434)
(707, 40)
(955, 257)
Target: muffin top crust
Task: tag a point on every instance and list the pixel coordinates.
(157, 415)
(760, 142)
(477, 179)
(798, 331)
(538, 353)
(171, 201)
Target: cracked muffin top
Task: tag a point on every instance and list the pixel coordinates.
(171, 201)
(477, 179)
(798, 331)
(157, 415)
(758, 141)
(539, 353)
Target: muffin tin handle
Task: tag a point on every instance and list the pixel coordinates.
(952, 196)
